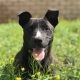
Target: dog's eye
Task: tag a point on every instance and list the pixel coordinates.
(30, 28)
(45, 28)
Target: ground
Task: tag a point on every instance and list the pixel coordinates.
(66, 46)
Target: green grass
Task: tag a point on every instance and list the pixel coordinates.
(66, 46)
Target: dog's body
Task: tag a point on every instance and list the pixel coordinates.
(38, 37)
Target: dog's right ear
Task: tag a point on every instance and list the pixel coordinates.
(24, 18)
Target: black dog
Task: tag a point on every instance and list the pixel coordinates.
(37, 40)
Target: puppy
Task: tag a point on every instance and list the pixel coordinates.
(37, 40)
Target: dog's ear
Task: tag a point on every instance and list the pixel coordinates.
(52, 17)
(24, 18)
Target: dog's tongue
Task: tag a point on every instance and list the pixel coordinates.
(38, 54)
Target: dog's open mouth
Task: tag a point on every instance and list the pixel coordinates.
(38, 54)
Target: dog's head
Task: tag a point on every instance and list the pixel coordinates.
(38, 32)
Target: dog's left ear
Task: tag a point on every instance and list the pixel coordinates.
(52, 17)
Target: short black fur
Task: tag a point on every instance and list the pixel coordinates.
(31, 27)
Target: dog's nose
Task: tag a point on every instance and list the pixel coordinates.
(38, 41)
